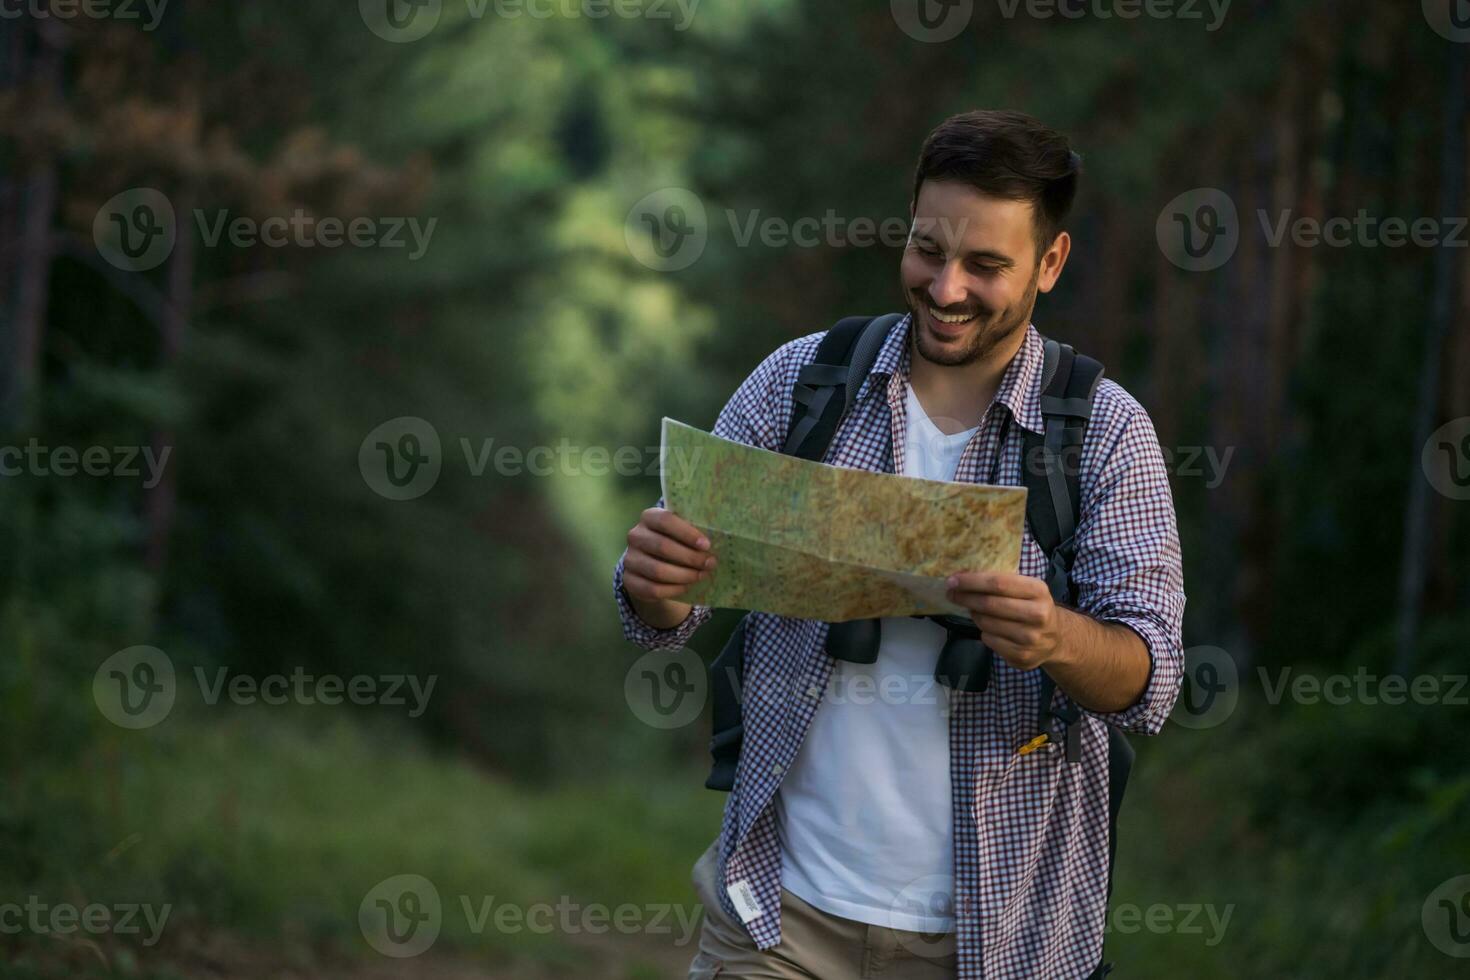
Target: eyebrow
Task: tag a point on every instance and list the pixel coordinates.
(997, 257)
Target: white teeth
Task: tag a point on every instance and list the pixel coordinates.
(942, 318)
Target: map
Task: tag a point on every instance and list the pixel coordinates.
(814, 541)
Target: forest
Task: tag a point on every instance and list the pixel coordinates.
(251, 254)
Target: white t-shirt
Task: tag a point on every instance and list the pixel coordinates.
(864, 814)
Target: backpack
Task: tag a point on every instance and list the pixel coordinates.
(1050, 465)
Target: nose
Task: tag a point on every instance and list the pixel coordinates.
(948, 287)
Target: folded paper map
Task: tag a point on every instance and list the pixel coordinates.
(814, 541)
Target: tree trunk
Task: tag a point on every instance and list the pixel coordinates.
(1419, 507)
(38, 192)
(162, 499)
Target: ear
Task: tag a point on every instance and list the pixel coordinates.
(1052, 261)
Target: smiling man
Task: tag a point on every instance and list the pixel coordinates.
(919, 831)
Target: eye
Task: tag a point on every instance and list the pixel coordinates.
(927, 248)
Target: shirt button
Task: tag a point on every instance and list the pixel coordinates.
(776, 769)
(813, 691)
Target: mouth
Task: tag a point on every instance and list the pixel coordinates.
(948, 324)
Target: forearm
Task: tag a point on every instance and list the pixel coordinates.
(1101, 666)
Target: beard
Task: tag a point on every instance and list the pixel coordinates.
(989, 331)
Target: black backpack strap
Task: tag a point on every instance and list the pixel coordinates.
(726, 675)
(825, 388)
(1051, 468)
(824, 392)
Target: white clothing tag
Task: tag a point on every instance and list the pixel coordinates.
(745, 903)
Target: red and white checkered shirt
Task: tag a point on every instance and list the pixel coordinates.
(1031, 831)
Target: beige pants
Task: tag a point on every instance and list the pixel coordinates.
(814, 944)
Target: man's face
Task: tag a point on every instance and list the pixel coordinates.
(970, 271)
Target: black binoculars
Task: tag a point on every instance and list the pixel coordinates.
(963, 664)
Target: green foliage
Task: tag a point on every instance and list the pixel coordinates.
(527, 322)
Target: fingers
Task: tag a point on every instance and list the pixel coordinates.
(641, 588)
(1026, 612)
(660, 572)
(651, 538)
(1017, 655)
(999, 631)
(668, 523)
(666, 555)
(1006, 584)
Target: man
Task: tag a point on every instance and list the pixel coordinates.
(905, 836)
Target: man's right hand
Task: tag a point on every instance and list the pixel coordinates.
(666, 555)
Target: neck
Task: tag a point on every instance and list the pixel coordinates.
(956, 397)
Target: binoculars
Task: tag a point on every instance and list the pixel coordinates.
(963, 664)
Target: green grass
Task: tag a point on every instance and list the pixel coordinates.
(274, 826)
(1324, 831)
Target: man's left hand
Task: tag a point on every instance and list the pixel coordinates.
(1015, 614)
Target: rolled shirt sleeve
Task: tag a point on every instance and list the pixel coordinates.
(756, 415)
(1128, 568)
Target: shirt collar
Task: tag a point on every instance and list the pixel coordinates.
(1020, 386)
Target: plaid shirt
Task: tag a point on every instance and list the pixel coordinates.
(1031, 832)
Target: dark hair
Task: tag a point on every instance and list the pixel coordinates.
(1008, 155)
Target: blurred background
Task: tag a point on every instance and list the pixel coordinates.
(336, 339)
